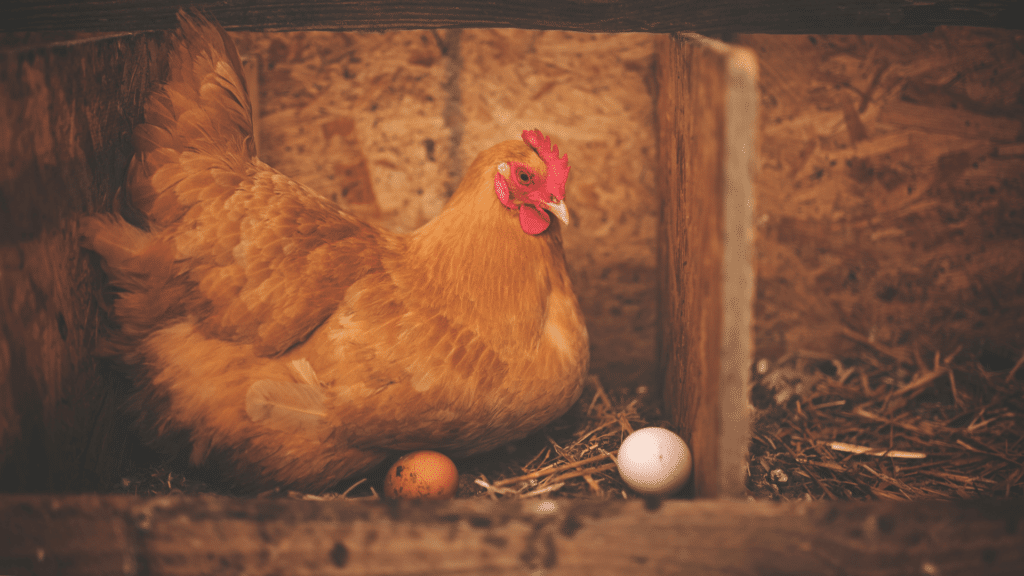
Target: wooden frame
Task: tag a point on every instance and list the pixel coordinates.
(104, 534)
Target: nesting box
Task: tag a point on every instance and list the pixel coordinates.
(787, 192)
(342, 128)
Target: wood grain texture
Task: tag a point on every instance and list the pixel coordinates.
(66, 113)
(803, 16)
(707, 110)
(83, 535)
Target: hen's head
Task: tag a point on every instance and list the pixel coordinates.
(533, 193)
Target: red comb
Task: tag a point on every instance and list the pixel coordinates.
(558, 168)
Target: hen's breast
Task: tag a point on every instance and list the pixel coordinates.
(404, 374)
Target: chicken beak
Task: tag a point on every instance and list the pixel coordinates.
(558, 209)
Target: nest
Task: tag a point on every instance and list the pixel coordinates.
(888, 424)
(573, 456)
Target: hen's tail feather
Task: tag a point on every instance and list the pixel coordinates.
(139, 267)
(202, 109)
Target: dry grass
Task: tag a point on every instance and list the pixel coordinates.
(575, 456)
(890, 424)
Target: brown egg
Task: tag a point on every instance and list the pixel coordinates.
(422, 475)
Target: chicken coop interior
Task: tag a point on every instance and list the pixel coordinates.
(801, 250)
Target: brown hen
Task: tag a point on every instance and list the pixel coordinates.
(294, 345)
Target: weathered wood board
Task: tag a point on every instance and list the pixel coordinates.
(707, 111)
(849, 16)
(102, 535)
(66, 114)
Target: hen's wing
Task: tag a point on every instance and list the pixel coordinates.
(266, 259)
(270, 261)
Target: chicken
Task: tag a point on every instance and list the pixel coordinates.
(292, 344)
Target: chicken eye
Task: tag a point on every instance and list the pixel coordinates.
(524, 177)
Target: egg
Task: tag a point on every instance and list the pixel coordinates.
(654, 461)
(421, 475)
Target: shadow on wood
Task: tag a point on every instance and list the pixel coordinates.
(68, 110)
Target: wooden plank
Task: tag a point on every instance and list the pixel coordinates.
(780, 16)
(67, 112)
(85, 535)
(707, 107)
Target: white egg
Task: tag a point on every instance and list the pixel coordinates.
(655, 461)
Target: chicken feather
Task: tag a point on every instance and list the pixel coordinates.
(295, 345)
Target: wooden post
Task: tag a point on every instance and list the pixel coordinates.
(707, 112)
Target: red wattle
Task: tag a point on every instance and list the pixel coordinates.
(533, 221)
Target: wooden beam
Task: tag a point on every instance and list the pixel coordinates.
(707, 122)
(84, 535)
(778, 16)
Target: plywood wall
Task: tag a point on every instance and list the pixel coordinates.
(385, 124)
(890, 201)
